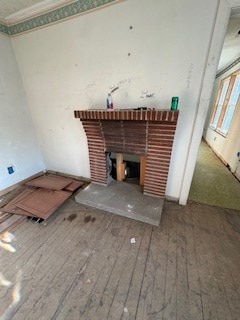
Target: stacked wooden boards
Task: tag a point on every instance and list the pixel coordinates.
(42, 196)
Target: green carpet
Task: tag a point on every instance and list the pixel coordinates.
(213, 183)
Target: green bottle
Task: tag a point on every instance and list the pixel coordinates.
(174, 104)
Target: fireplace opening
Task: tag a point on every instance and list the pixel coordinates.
(125, 167)
(130, 168)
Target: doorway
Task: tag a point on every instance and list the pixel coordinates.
(224, 11)
(213, 180)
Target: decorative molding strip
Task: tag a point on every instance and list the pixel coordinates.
(76, 8)
(230, 66)
(3, 28)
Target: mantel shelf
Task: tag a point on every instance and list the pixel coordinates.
(127, 114)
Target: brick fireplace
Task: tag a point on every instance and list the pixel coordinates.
(148, 133)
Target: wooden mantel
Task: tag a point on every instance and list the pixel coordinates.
(147, 133)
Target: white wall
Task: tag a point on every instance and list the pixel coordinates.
(18, 144)
(73, 64)
(225, 147)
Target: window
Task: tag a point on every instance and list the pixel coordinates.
(226, 102)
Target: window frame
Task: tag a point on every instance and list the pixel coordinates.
(224, 108)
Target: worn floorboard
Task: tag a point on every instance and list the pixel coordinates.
(81, 264)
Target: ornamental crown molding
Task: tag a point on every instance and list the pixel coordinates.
(48, 12)
(18, 13)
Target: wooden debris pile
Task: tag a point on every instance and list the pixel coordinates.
(42, 196)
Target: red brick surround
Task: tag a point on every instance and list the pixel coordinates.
(141, 132)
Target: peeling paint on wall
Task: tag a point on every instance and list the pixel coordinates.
(212, 62)
(91, 85)
(146, 94)
(189, 77)
(128, 81)
(122, 82)
(2, 91)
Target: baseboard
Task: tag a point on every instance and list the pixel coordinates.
(216, 153)
(172, 199)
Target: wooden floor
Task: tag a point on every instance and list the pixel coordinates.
(81, 264)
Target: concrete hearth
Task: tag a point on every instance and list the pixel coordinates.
(124, 199)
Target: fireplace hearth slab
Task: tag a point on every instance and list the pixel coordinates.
(124, 199)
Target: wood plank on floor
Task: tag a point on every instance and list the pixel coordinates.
(170, 297)
(182, 285)
(43, 202)
(50, 181)
(83, 290)
(118, 304)
(131, 303)
(44, 235)
(106, 261)
(11, 207)
(10, 223)
(206, 288)
(116, 281)
(226, 285)
(194, 285)
(47, 290)
(158, 263)
(81, 265)
(223, 311)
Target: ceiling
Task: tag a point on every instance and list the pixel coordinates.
(13, 11)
